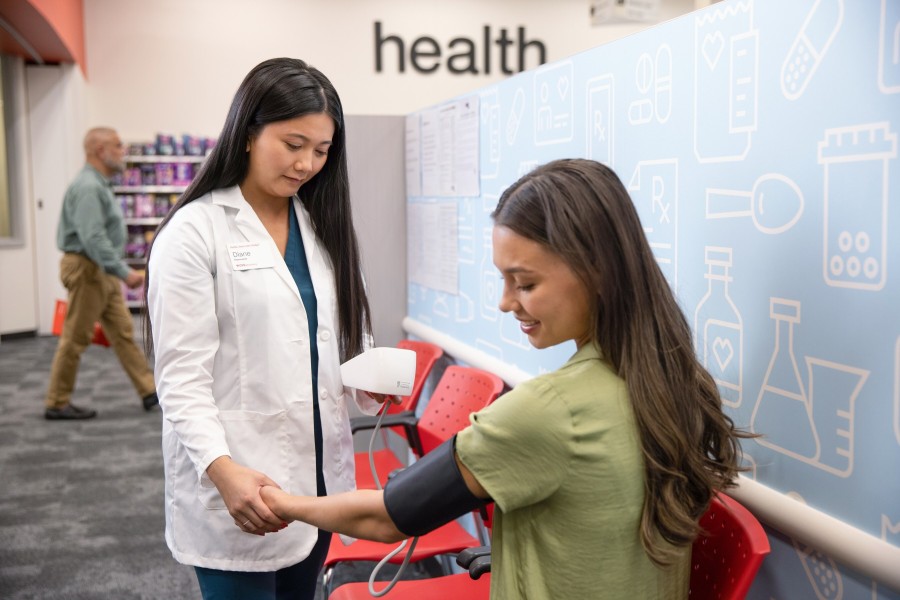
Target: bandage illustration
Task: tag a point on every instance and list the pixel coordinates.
(813, 424)
(856, 161)
(726, 56)
(599, 119)
(889, 48)
(821, 570)
(775, 203)
(514, 120)
(554, 106)
(719, 328)
(490, 122)
(809, 47)
(654, 190)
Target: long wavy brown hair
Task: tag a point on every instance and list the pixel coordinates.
(580, 211)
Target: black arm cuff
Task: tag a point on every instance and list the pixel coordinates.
(429, 493)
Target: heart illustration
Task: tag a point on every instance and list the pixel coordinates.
(723, 351)
(712, 47)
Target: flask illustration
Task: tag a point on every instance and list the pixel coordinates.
(719, 328)
(783, 415)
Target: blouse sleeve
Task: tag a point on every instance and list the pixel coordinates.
(519, 447)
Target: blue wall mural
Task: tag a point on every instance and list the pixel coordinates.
(759, 141)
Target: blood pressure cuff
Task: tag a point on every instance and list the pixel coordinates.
(429, 493)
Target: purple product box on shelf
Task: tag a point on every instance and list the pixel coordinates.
(184, 172)
(126, 201)
(148, 175)
(165, 174)
(161, 205)
(144, 205)
(165, 144)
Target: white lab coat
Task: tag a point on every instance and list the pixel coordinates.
(233, 377)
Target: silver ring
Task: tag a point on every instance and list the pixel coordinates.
(244, 524)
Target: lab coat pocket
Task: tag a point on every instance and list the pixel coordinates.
(259, 441)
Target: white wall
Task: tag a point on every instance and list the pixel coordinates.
(17, 279)
(173, 65)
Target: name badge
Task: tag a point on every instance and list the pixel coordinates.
(250, 255)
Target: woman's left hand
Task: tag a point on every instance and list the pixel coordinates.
(382, 398)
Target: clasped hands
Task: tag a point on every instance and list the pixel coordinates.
(252, 497)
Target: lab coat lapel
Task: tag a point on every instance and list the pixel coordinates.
(319, 268)
(251, 228)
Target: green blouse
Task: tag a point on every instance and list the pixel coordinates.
(560, 456)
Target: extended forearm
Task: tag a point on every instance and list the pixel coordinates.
(359, 514)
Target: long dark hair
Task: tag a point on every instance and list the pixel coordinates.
(580, 211)
(277, 90)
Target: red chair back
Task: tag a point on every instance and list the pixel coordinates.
(460, 392)
(426, 356)
(725, 560)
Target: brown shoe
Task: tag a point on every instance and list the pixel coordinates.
(69, 412)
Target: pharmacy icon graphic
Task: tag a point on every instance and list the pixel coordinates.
(856, 161)
(514, 120)
(554, 106)
(889, 48)
(490, 279)
(600, 121)
(490, 126)
(654, 189)
(809, 47)
(726, 82)
(653, 79)
(811, 423)
(775, 203)
(821, 570)
(897, 390)
(719, 328)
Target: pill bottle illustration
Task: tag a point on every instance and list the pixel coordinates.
(719, 328)
(856, 204)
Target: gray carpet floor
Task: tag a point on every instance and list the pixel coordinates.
(81, 502)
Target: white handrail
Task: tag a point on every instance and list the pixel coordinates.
(861, 551)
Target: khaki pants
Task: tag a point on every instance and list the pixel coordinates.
(94, 296)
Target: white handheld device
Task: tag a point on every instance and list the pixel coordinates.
(381, 371)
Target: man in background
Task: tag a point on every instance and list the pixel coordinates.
(92, 235)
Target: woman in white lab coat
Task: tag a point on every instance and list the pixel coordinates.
(255, 297)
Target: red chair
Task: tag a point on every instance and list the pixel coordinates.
(460, 392)
(427, 356)
(725, 560)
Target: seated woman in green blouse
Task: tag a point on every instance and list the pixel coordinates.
(600, 470)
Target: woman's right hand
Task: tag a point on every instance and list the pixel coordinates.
(239, 487)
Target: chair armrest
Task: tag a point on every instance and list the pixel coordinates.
(465, 557)
(407, 420)
(480, 566)
(367, 422)
(476, 560)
